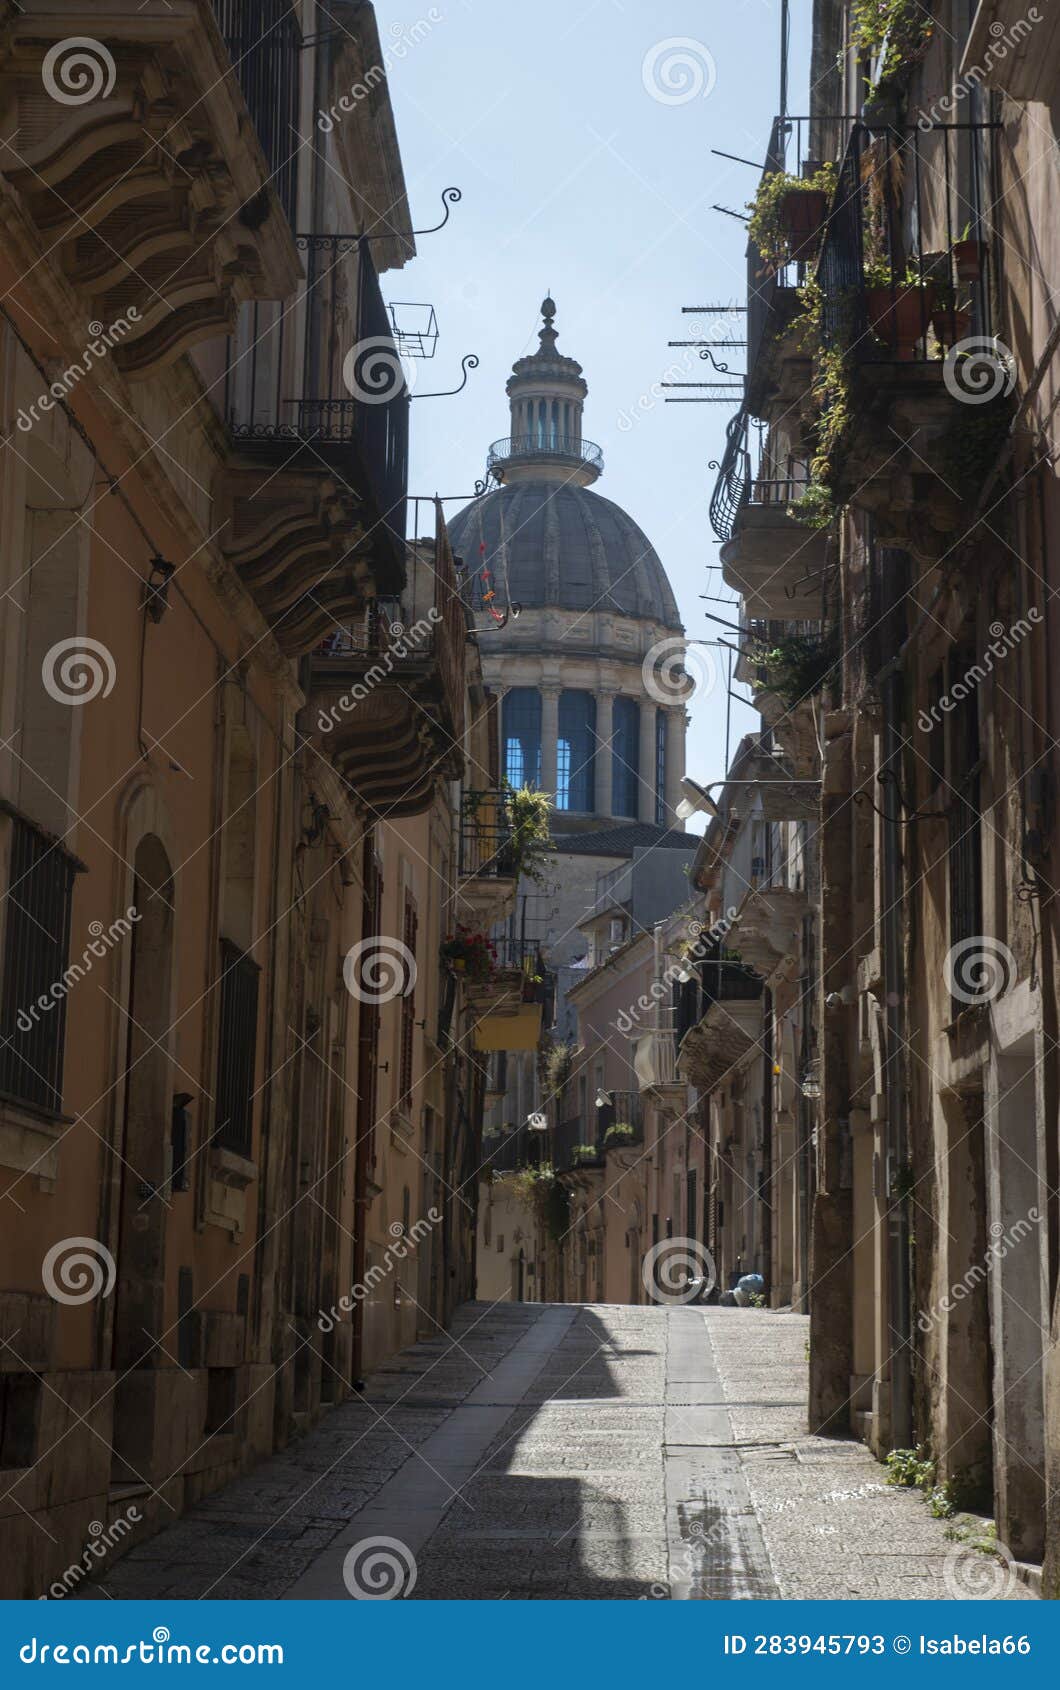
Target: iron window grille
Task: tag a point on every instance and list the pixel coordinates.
(264, 42)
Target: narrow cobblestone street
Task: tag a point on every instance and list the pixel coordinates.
(573, 1451)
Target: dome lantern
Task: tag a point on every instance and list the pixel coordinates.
(546, 392)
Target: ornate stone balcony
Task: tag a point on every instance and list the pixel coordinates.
(134, 175)
(387, 692)
(774, 562)
(767, 931)
(720, 1042)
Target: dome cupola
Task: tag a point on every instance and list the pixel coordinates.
(546, 392)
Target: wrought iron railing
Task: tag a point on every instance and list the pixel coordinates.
(905, 264)
(717, 980)
(325, 371)
(264, 40)
(486, 850)
(424, 631)
(737, 487)
(546, 445)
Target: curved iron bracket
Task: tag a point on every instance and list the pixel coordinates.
(722, 368)
(470, 362)
(450, 197)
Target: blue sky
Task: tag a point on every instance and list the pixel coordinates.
(576, 179)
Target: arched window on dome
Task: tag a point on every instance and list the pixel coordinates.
(625, 756)
(574, 751)
(522, 736)
(660, 768)
(554, 442)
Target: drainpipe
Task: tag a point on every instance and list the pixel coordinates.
(897, 1143)
(768, 1045)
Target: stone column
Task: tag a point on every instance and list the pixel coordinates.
(549, 737)
(676, 720)
(646, 762)
(604, 733)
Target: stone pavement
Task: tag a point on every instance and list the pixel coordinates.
(575, 1451)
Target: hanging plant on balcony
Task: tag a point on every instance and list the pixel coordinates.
(530, 842)
(897, 34)
(472, 955)
(898, 305)
(539, 1190)
(797, 666)
(620, 1133)
(558, 1065)
(788, 215)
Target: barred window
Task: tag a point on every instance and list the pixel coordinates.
(36, 950)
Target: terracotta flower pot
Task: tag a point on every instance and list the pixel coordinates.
(968, 260)
(900, 315)
(802, 215)
(951, 323)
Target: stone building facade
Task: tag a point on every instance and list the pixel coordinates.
(240, 1095)
(891, 547)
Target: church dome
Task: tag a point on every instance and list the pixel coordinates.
(541, 538)
(561, 545)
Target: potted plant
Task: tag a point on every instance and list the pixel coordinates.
(472, 954)
(898, 307)
(788, 215)
(950, 322)
(967, 257)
